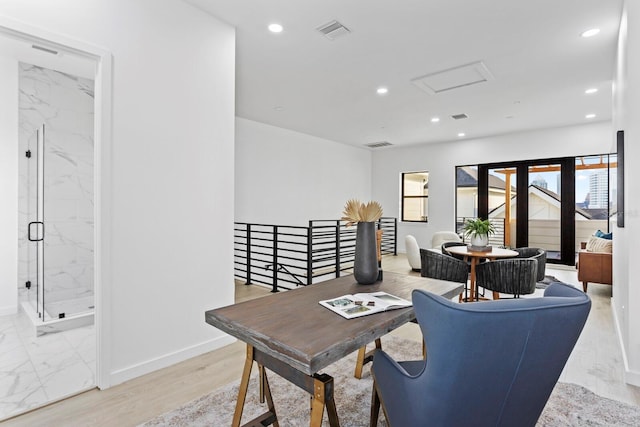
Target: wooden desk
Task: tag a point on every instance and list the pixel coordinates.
(474, 258)
(295, 337)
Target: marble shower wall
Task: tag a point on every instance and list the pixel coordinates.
(64, 104)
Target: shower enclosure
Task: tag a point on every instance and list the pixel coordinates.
(56, 249)
(59, 282)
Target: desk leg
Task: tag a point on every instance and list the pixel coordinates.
(267, 394)
(323, 396)
(319, 386)
(269, 417)
(244, 386)
(364, 358)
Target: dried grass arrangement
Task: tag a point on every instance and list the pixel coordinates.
(356, 211)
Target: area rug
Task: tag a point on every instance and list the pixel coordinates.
(569, 404)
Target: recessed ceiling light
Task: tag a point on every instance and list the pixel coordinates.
(435, 119)
(275, 28)
(590, 32)
(590, 116)
(461, 134)
(591, 90)
(382, 90)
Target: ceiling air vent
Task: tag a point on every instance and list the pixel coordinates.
(333, 30)
(378, 144)
(459, 116)
(454, 78)
(44, 49)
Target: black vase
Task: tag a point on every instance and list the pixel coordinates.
(365, 267)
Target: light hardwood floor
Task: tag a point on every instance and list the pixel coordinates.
(596, 363)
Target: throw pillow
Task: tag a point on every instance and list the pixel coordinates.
(597, 244)
(603, 235)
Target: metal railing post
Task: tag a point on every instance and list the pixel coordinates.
(338, 262)
(395, 236)
(310, 253)
(275, 259)
(248, 243)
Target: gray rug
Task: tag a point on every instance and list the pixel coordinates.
(569, 404)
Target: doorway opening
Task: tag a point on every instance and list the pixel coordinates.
(62, 234)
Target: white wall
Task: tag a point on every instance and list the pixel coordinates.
(626, 116)
(285, 177)
(441, 159)
(171, 171)
(8, 185)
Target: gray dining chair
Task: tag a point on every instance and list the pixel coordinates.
(515, 276)
(539, 255)
(444, 267)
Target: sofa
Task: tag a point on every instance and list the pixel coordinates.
(595, 262)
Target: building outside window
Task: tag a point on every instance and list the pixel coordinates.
(415, 196)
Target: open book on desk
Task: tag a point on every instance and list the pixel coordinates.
(363, 304)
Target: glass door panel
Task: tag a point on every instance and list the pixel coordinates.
(595, 195)
(545, 214)
(35, 218)
(502, 205)
(466, 195)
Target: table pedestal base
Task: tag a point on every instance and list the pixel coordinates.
(319, 386)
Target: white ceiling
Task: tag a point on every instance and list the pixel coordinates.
(301, 80)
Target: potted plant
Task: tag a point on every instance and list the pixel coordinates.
(479, 231)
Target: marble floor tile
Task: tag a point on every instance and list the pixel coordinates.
(22, 402)
(10, 345)
(35, 370)
(67, 379)
(17, 378)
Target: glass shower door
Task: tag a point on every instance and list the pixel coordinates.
(35, 227)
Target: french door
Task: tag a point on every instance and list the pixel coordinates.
(532, 203)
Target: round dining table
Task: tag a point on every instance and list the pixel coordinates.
(474, 257)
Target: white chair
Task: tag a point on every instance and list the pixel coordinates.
(413, 252)
(440, 237)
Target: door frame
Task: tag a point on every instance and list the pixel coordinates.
(103, 103)
(567, 201)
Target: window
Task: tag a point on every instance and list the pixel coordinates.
(415, 196)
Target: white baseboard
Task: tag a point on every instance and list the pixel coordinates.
(121, 375)
(8, 309)
(630, 376)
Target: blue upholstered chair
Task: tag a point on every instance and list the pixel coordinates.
(489, 363)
